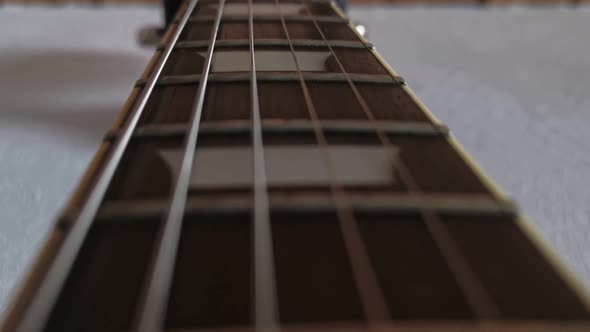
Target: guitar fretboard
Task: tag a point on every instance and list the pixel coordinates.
(271, 172)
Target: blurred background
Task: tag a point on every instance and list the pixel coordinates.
(510, 78)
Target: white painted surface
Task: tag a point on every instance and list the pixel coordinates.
(239, 61)
(513, 85)
(292, 165)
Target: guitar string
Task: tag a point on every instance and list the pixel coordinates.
(471, 286)
(265, 308)
(371, 298)
(37, 313)
(152, 314)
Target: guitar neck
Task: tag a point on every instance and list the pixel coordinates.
(270, 171)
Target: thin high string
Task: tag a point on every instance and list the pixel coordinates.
(152, 313)
(265, 307)
(37, 313)
(472, 287)
(370, 293)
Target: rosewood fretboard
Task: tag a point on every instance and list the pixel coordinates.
(269, 172)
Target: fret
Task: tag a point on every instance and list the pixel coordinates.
(271, 18)
(278, 126)
(284, 101)
(151, 317)
(512, 249)
(278, 77)
(309, 203)
(271, 43)
(271, 30)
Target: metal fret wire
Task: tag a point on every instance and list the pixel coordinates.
(38, 311)
(265, 307)
(276, 125)
(473, 289)
(269, 17)
(173, 80)
(370, 294)
(152, 313)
